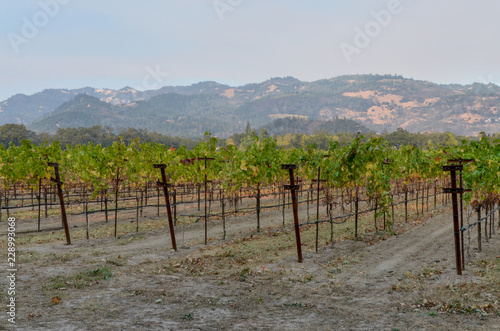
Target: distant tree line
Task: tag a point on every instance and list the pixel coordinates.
(321, 139)
(14, 133)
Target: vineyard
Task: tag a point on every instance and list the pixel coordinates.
(121, 177)
(216, 198)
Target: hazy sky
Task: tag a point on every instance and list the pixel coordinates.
(151, 43)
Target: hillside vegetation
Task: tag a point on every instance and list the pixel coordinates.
(378, 102)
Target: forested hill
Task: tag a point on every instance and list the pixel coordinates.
(378, 102)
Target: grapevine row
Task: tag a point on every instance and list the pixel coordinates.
(372, 165)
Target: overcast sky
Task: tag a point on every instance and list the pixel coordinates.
(151, 43)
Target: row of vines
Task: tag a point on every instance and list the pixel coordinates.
(367, 169)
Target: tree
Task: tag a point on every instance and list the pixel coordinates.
(79, 136)
(400, 137)
(14, 133)
(248, 129)
(450, 139)
(263, 134)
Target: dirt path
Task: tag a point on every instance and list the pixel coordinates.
(430, 243)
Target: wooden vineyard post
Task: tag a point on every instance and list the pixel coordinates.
(454, 190)
(58, 182)
(293, 188)
(164, 184)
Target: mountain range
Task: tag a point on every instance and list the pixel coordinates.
(377, 102)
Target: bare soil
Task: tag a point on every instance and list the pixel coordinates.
(252, 281)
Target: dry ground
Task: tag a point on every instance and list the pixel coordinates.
(252, 281)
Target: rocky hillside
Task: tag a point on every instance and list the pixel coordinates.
(379, 102)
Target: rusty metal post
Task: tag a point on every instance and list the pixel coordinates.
(454, 203)
(58, 182)
(206, 216)
(461, 191)
(117, 189)
(293, 188)
(454, 190)
(317, 208)
(462, 217)
(167, 202)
